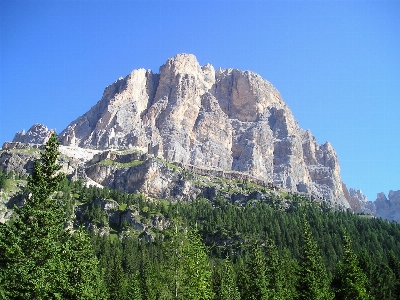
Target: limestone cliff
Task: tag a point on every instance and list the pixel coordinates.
(388, 209)
(358, 201)
(226, 119)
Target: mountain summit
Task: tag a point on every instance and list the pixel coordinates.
(225, 119)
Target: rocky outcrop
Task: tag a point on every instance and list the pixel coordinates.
(388, 209)
(358, 201)
(37, 134)
(382, 207)
(19, 158)
(226, 119)
(150, 177)
(323, 169)
(366, 207)
(20, 162)
(110, 211)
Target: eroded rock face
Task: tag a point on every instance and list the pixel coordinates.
(37, 134)
(359, 202)
(19, 158)
(17, 162)
(227, 119)
(151, 178)
(388, 208)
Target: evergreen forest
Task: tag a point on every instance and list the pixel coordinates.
(204, 249)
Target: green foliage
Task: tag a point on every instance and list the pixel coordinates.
(122, 207)
(45, 180)
(280, 273)
(254, 282)
(187, 267)
(187, 264)
(84, 279)
(394, 265)
(163, 265)
(10, 182)
(227, 288)
(3, 178)
(39, 259)
(38, 226)
(313, 280)
(350, 281)
(133, 287)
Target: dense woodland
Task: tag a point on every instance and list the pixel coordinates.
(212, 249)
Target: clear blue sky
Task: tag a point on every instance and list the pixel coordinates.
(336, 64)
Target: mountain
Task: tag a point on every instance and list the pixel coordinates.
(206, 166)
(358, 201)
(388, 209)
(223, 123)
(37, 134)
(225, 119)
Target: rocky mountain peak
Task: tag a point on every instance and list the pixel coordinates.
(394, 196)
(181, 64)
(358, 195)
(388, 207)
(359, 202)
(226, 119)
(37, 134)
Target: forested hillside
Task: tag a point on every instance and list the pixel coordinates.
(232, 236)
(280, 247)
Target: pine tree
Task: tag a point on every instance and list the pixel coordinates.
(32, 252)
(84, 279)
(253, 279)
(187, 272)
(133, 288)
(394, 264)
(350, 281)
(198, 270)
(280, 274)
(228, 289)
(313, 281)
(116, 280)
(382, 284)
(36, 251)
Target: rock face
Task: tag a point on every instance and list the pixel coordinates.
(151, 177)
(366, 207)
(226, 119)
(19, 158)
(388, 209)
(37, 134)
(359, 202)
